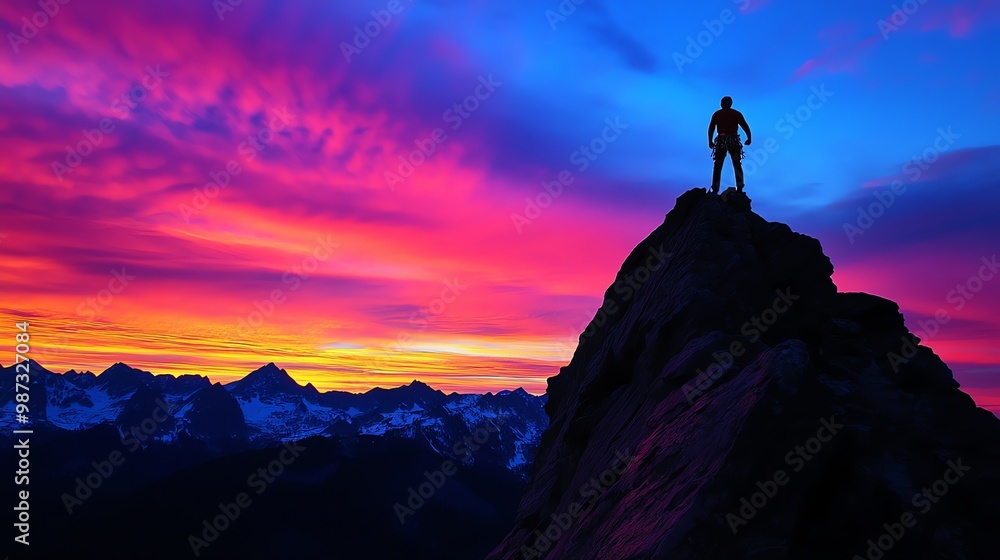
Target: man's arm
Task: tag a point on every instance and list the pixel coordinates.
(711, 132)
(746, 128)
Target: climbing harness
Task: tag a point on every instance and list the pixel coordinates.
(724, 143)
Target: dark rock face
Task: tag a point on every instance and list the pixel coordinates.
(145, 405)
(727, 402)
(216, 417)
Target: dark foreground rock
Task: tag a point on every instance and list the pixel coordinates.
(753, 412)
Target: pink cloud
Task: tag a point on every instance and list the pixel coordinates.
(322, 174)
(960, 19)
(841, 57)
(750, 6)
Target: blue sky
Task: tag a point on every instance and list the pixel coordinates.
(899, 81)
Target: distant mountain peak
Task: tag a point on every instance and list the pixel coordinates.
(417, 384)
(267, 406)
(122, 367)
(121, 378)
(268, 370)
(268, 379)
(269, 367)
(32, 365)
(422, 389)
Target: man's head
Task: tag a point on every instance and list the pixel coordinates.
(727, 102)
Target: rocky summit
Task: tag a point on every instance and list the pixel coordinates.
(727, 402)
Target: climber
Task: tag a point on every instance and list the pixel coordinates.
(728, 141)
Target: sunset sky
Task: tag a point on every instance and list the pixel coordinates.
(372, 273)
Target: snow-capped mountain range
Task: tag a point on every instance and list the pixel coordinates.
(268, 406)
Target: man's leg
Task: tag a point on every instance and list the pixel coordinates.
(734, 153)
(720, 159)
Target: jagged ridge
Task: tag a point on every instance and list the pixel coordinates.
(701, 438)
(268, 406)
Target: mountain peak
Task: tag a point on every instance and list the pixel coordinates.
(267, 378)
(121, 370)
(422, 388)
(31, 364)
(122, 367)
(269, 369)
(737, 200)
(721, 348)
(121, 378)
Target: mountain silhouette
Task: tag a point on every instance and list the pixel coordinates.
(149, 457)
(265, 407)
(728, 402)
(121, 378)
(266, 379)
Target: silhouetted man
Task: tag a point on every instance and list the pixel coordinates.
(728, 141)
